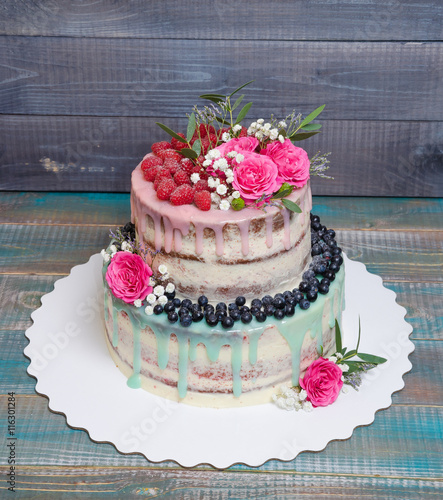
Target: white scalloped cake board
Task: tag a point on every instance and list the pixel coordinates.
(70, 360)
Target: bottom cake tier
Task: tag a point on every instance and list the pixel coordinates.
(216, 367)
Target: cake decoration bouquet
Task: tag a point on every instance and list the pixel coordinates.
(224, 290)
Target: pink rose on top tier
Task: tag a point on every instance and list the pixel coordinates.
(240, 144)
(128, 277)
(255, 176)
(322, 382)
(292, 162)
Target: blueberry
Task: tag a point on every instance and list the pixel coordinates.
(246, 317)
(195, 308)
(269, 310)
(320, 234)
(279, 296)
(336, 251)
(187, 303)
(158, 309)
(170, 295)
(244, 309)
(278, 303)
(254, 310)
(203, 300)
(320, 267)
(172, 317)
(332, 244)
(327, 255)
(314, 238)
(209, 308)
(298, 296)
(221, 306)
(311, 295)
(313, 289)
(232, 306)
(227, 322)
(169, 307)
(220, 314)
(304, 304)
(325, 281)
(323, 288)
(315, 218)
(235, 314)
(267, 299)
(261, 317)
(292, 301)
(279, 314)
(256, 303)
(211, 319)
(331, 233)
(176, 302)
(197, 316)
(240, 301)
(184, 311)
(316, 249)
(338, 259)
(303, 286)
(186, 320)
(315, 225)
(289, 310)
(308, 275)
(287, 294)
(334, 267)
(329, 275)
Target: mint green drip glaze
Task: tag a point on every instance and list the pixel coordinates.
(134, 381)
(105, 301)
(331, 321)
(114, 327)
(183, 355)
(236, 361)
(254, 335)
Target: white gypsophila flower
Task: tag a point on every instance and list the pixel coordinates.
(151, 298)
(211, 182)
(290, 403)
(282, 124)
(229, 172)
(285, 390)
(126, 246)
(221, 164)
(302, 395)
(236, 128)
(113, 249)
(230, 198)
(274, 134)
(137, 303)
(333, 359)
(222, 189)
(225, 137)
(267, 126)
(281, 138)
(235, 194)
(162, 269)
(232, 154)
(162, 300)
(260, 121)
(225, 205)
(215, 198)
(170, 287)
(152, 282)
(343, 367)
(338, 355)
(239, 158)
(164, 276)
(213, 154)
(281, 403)
(267, 133)
(253, 125)
(345, 389)
(230, 179)
(217, 182)
(206, 163)
(106, 256)
(307, 406)
(159, 290)
(149, 310)
(259, 135)
(195, 177)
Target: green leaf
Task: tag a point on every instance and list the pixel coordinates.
(189, 153)
(214, 98)
(312, 126)
(301, 136)
(191, 127)
(321, 350)
(238, 203)
(243, 112)
(290, 205)
(206, 96)
(370, 358)
(355, 366)
(197, 147)
(236, 90)
(338, 344)
(350, 354)
(312, 116)
(238, 101)
(359, 333)
(224, 122)
(285, 190)
(171, 132)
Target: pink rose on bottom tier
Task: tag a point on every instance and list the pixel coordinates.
(322, 382)
(292, 162)
(255, 176)
(128, 277)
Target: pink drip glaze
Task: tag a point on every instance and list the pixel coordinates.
(287, 235)
(169, 234)
(244, 233)
(269, 223)
(177, 240)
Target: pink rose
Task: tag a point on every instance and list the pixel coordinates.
(255, 175)
(128, 277)
(240, 145)
(292, 162)
(322, 382)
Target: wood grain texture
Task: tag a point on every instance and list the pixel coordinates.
(68, 153)
(142, 77)
(409, 214)
(313, 20)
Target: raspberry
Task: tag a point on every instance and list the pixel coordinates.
(170, 153)
(181, 177)
(203, 200)
(151, 173)
(206, 130)
(160, 146)
(176, 144)
(244, 132)
(172, 165)
(205, 145)
(163, 173)
(183, 195)
(201, 185)
(187, 165)
(150, 161)
(165, 189)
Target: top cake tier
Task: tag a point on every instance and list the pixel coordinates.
(224, 254)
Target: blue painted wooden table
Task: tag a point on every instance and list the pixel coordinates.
(399, 456)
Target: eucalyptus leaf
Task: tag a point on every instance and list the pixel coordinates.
(238, 101)
(290, 205)
(321, 350)
(281, 193)
(189, 153)
(359, 333)
(206, 96)
(312, 116)
(236, 90)
(370, 358)
(191, 127)
(301, 136)
(224, 122)
(355, 366)
(312, 126)
(243, 112)
(214, 99)
(338, 344)
(197, 147)
(352, 353)
(171, 132)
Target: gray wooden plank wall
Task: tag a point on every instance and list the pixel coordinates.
(82, 83)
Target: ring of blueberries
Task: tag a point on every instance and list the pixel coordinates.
(326, 261)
